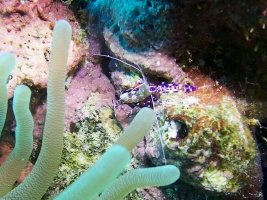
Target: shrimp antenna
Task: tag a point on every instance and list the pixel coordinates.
(133, 66)
(139, 69)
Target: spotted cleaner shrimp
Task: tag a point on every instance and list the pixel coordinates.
(148, 94)
(144, 90)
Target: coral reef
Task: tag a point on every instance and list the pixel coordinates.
(204, 133)
(102, 177)
(81, 150)
(226, 40)
(28, 26)
(88, 84)
(122, 37)
(136, 22)
(156, 63)
(26, 31)
(217, 47)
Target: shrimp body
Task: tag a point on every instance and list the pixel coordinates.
(144, 91)
(136, 95)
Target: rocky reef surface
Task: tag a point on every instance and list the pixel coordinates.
(204, 132)
(26, 30)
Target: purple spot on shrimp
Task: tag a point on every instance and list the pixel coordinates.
(189, 88)
(153, 88)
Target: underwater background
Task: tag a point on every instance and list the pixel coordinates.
(200, 65)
